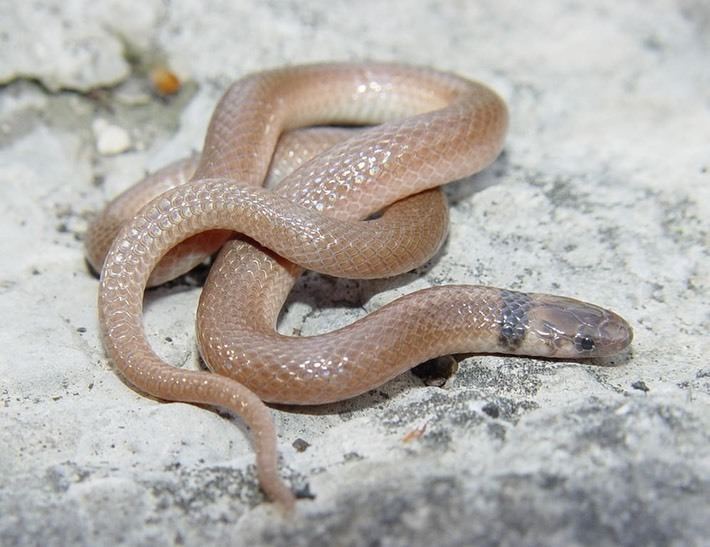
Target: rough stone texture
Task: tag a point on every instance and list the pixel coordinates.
(602, 193)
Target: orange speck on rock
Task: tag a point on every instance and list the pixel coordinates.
(414, 434)
(165, 81)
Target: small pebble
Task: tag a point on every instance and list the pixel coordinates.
(300, 445)
(110, 139)
(491, 409)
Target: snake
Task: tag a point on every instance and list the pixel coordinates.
(360, 200)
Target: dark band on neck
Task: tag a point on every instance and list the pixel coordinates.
(514, 318)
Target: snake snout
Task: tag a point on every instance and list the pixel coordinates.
(615, 334)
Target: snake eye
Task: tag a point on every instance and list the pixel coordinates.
(584, 342)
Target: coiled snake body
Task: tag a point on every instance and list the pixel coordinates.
(432, 128)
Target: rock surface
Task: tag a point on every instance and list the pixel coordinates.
(601, 193)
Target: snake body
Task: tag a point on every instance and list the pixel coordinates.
(431, 128)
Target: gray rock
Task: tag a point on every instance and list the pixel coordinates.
(601, 193)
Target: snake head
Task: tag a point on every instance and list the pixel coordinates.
(568, 328)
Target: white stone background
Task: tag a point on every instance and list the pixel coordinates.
(602, 193)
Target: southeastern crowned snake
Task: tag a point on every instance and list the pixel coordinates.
(424, 129)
